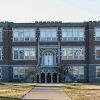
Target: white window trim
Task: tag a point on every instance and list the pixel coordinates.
(96, 72)
(79, 71)
(18, 74)
(73, 52)
(49, 30)
(1, 53)
(22, 47)
(97, 48)
(95, 33)
(1, 29)
(1, 73)
(65, 30)
(24, 29)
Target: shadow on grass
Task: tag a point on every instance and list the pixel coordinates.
(8, 98)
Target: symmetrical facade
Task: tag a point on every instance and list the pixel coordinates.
(48, 46)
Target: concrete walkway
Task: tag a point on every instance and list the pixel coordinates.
(46, 93)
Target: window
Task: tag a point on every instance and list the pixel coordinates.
(73, 34)
(0, 53)
(78, 71)
(48, 59)
(23, 34)
(97, 34)
(0, 73)
(1, 34)
(97, 71)
(48, 34)
(19, 72)
(23, 53)
(73, 53)
(97, 53)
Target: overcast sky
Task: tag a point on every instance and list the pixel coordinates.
(49, 10)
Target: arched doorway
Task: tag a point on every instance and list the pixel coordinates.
(37, 78)
(48, 77)
(42, 77)
(54, 77)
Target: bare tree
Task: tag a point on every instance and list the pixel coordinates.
(65, 71)
(31, 72)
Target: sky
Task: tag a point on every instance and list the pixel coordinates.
(49, 10)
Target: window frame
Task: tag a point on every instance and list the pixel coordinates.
(73, 49)
(72, 30)
(1, 73)
(1, 32)
(24, 30)
(97, 67)
(95, 29)
(29, 48)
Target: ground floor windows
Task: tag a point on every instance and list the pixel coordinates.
(0, 53)
(97, 71)
(73, 53)
(24, 53)
(78, 72)
(0, 73)
(19, 72)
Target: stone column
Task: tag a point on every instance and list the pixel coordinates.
(45, 77)
(51, 77)
(57, 78)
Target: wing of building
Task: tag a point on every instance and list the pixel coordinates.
(50, 52)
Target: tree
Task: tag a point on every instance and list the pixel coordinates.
(65, 71)
(31, 72)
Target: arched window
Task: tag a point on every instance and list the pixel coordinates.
(48, 58)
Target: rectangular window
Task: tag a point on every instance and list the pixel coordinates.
(1, 29)
(72, 34)
(78, 72)
(97, 34)
(97, 53)
(48, 34)
(24, 53)
(19, 72)
(97, 71)
(0, 73)
(73, 53)
(0, 53)
(23, 34)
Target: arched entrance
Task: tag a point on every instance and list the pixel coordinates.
(42, 77)
(48, 77)
(59, 78)
(54, 77)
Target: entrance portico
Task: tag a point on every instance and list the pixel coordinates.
(48, 78)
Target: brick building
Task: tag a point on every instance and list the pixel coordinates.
(50, 46)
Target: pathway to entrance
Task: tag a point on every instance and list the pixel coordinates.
(51, 92)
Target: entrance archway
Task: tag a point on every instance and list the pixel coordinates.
(42, 77)
(54, 77)
(48, 77)
(59, 78)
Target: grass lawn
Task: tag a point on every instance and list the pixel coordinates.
(14, 91)
(83, 91)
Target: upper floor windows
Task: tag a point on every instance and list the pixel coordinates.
(73, 53)
(0, 73)
(24, 53)
(0, 34)
(73, 34)
(47, 34)
(23, 34)
(0, 53)
(97, 34)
